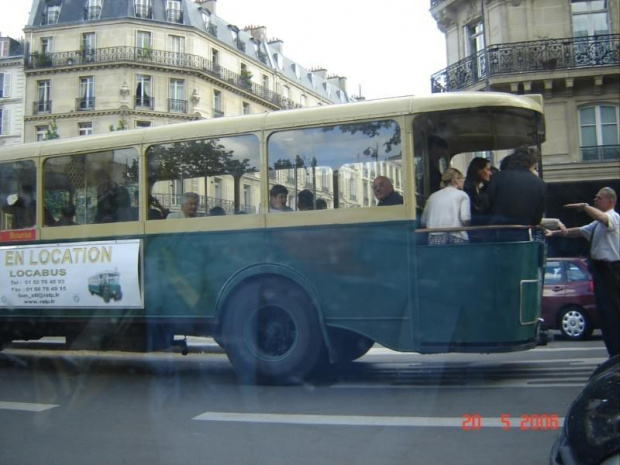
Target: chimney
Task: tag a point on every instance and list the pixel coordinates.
(210, 5)
(277, 45)
(258, 33)
(338, 81)
(320, 72)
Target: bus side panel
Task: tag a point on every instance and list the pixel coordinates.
(359, 274)
(184, 272)
(470, 296)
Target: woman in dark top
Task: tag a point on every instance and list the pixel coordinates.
(478, 176)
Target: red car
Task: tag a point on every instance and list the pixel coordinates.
(568, 298)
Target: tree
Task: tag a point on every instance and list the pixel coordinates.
(52, 131)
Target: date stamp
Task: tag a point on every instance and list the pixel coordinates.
(526, 422)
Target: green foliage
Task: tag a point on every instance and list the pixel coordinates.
(52, 131)
(119, 127)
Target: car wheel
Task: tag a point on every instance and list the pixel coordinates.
(574, 323)
(272, 332)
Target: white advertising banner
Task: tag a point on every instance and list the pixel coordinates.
(80, 274)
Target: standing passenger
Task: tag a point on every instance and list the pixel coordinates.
(518, 195)
(478, 176)
(448, 208)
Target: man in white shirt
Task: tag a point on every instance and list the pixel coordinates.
(604, 236)
(189, 207)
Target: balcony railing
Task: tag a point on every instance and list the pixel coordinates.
(42, 106)
(600, 153)
(177, 106)
(92, 12)
(143, 102)
(85, 104)
(144, 11)
(529, 57)
(217, 113)
(114, 55)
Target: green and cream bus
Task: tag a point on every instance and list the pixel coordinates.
(282, 292)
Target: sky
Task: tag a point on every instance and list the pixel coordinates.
(389, 48)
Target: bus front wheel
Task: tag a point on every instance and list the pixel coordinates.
(272, 332)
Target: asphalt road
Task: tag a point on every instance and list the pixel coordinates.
(61, 407)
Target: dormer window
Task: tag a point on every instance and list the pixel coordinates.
(209, 26)
(174, 14)
(328, 88)
(297, 70)
(92, 9)
(312, 78)
(51, 12)
(279, 60)
(143, 9)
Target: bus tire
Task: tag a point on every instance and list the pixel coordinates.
(271, 331)
(574, 323)
(348, 346)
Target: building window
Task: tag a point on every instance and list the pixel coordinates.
(92, 10)
(173, 11)
(86, 100)
(144, 92)
(328, 88)
(4, 48)
(5, 85)
(217, 104)
(43, 103)
(245, 108)
(143, 124)
(590, 17)
(279, 60)
(143, 40)
(51, 12)
(303, 100)
(474, 45)
(599, 133)
(297, 70)
(47, 45)
(4, 121)
(177, 102)
(265, 81)
(143, 9)
(89, 44)
(40, 132)
(85, 129)
(215, 58)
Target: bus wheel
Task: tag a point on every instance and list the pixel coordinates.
(272, 332)
(348, 346)
(574, 323)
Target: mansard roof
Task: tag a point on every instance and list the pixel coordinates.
(74, 13)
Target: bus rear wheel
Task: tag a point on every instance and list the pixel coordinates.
(272, 332)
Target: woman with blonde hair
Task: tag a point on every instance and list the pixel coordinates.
(449, 207)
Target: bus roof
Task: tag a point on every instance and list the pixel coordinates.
(273, 120)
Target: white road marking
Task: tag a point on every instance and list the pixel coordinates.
(386, 351)
(26, 407)
(359, 420)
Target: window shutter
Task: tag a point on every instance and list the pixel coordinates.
(5, 121)
(6, 91)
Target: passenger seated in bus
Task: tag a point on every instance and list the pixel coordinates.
(217, 211)
(156, 210)
(22, 207)
(385, 193)
(107, 205)
(125, 211)
(278, 195)
(438, 160)
(67, 213)
(189, 207)
(449, 207)
(305, 200)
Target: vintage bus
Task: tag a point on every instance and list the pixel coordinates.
(106, 285)
(283, 291)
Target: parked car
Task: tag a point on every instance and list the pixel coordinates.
(568, 298)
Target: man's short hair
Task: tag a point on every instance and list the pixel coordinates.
(190, 195)
(277, 190)
(609, 193)
(524, 157)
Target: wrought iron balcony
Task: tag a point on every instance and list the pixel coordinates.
(529, 57)
(85, 104)
(144, 11)
(217, 113)
(177, 106)
(174, 16)
(145, 102)
(42, 106)
(133, 55)
(600, 153)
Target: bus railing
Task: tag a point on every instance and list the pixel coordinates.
(491, 233)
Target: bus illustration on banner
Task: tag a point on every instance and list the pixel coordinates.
(106, 285)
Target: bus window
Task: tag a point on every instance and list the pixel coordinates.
(97, 187)
(223, 174)
(17, 195)
(336, 164)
